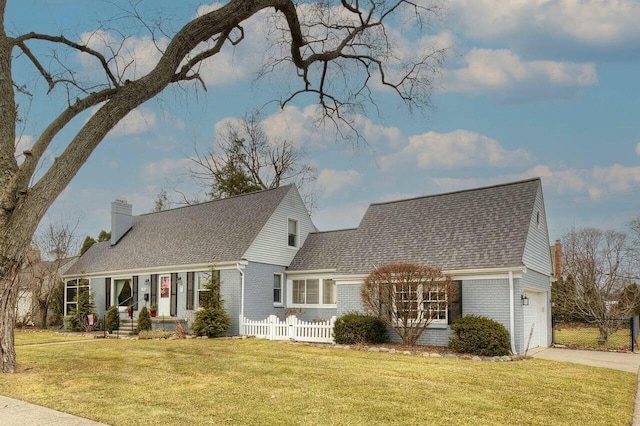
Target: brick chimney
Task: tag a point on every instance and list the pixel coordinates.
(557, 259)
(121, 219)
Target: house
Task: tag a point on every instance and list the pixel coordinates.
(165, 258)
(493, 241)
(37, 279)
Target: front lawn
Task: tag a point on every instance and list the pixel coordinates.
(33, 337)
(250, 381)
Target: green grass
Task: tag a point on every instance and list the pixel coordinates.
(587, 337)
(129, 382)
(32, 337)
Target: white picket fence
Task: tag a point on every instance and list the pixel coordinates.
(290, 328)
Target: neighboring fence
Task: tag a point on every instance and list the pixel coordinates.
(291, 328)
(578, 334)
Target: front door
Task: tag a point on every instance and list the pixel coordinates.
(164, 295)
(122, 294)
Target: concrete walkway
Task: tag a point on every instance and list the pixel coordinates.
(19, 413)
(617, 360)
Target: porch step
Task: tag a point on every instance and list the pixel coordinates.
(127, 326)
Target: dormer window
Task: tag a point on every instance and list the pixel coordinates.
(293, 233)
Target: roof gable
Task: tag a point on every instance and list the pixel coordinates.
(215, 231)
(477, 228)
(321, 250)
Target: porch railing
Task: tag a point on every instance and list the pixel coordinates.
(291, 328)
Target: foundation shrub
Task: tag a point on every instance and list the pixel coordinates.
(479, 336)
(358, 328)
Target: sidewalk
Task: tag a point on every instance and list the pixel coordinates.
(19, 413)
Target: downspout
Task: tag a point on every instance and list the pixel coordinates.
(240, 324)
(512, 318)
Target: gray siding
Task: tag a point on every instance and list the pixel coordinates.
(348, 299)
(536, 251)
(316, 314)
(430, 337)
(258, 299)
(490, 298)
(270, 246)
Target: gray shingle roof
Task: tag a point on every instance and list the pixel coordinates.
(477, 228)
(321, 250)
(219, 230)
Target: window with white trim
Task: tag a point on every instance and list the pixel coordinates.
(328, 292)
(277, 289)
(203, 279)
(313, 291)
(73, 288)
(292, 228)
(422, 302)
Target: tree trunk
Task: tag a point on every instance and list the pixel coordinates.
(8, 300)
(604, 334)
(43, 311)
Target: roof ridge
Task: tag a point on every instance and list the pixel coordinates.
(333, 230)
(215, 201)
(457, 192)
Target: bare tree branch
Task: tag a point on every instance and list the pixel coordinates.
(19, 41)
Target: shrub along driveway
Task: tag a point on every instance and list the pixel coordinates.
(261, 382)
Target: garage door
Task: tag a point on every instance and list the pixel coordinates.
(535, 315)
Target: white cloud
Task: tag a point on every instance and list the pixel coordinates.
(589, 22)
(306, 128)
(460, 148)
(332, 181)
(166, 168)
(138, 121)
(596, 183)
(487, 70)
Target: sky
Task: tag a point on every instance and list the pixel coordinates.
(529, 88)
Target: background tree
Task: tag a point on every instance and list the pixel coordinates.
(335, 50)
(596, 285)
(398, 294)
(161, 202)
(246, 160)
(89, 241)
(59, 243)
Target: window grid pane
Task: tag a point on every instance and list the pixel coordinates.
(313, 292)
(298, 291)
(292, 233)
(277, 288)
(329, 292)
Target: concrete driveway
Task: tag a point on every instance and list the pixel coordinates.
(617, 360)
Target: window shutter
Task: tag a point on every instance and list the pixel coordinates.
(154, 289)
(107, 293)
(455, 304)
(173, 311)
(190, 288)
(135, 293)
